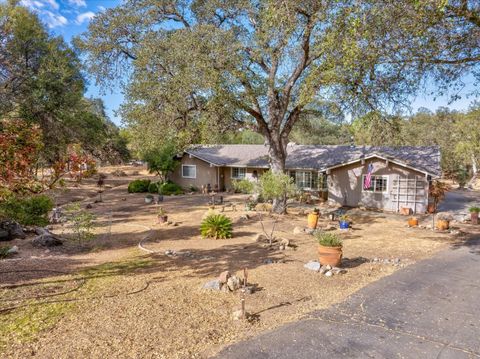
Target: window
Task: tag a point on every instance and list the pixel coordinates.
(378, 184)
(306, 179)
(238, 172)
(189, 171)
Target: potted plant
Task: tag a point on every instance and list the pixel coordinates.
(443, 221)
(474, 214)
(160, 195)
(148, 199)
(413, 222)
(329, 249)
(344, 221)
(312, 218)
(162, 215)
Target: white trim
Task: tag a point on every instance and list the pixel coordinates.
(382, 158)
(373, 191)
(239, 168)
(194, 166)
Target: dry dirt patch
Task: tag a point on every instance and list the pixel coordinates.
(131, 304)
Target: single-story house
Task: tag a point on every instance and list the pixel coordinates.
(386, 178)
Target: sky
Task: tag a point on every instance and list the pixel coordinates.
(70, 18)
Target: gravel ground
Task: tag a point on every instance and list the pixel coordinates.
(125, 303)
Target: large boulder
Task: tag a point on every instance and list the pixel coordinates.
(46, 239)
(13, 229)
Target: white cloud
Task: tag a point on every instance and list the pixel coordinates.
(86, 16)
(54, 20)
(101, 8)
(53, 4)
(32, 4)
(78, 3)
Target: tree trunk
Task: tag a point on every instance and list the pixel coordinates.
(277, 154)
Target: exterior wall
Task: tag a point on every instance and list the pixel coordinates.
(227, 173)
(205, 174)
(345, 186)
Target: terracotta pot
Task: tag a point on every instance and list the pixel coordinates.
(442, 224)
(312, 220)
(330, 255)
(431, 208)
(474, 217)
(406, 211)
(412, 222)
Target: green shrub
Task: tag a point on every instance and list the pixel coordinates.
(328, 239)
(138, 186)
(4, 252)
(217, 226)
(169, 188)
(82, 222)
(29, 211)
(276, 185)
(192, 188)
(474, 209)
(243, 186)
(153, 187)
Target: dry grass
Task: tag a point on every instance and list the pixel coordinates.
(136, 305)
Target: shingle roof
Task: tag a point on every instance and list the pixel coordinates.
(318, 157)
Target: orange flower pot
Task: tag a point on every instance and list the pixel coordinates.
(412, 222)
(312, 220)
(330, 255)
(442, 224)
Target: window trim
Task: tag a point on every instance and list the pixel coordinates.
(239, 168)
(195, 169)
(373, 190)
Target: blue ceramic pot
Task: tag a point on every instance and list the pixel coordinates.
(344, 224)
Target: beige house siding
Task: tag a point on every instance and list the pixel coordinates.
(205, 174)
(227, 171)
(345, 186)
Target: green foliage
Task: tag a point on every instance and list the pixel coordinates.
(276, 185)
(29, 211)
(474, 209)
(169, 188)
(82, 222)
(139, 186)
(153, 187)
(217, 226)
(162, 160)
(328, 239)
(4, 251)
(243, 186)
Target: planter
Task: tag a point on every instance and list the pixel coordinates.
(148, 200)
(474, 217)
(406, 211)
(344, 224)
(162, 219)
(431, 208)
(442, 224)
(412, 222)
(312, 220)
(330, 255)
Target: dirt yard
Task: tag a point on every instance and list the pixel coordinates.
(110, 298)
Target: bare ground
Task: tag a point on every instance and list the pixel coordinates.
(108, 298)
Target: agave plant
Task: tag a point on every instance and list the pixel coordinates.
(217, 226)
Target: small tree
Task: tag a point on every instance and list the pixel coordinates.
(162, 161)
(82, 222)
(276, 185)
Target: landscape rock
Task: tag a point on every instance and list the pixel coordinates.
(89, 206)
(313, 265)
(212, 285)
(249, 289)
(46, 240)
(233, 283)
(284, 241)
(336, 270)
(309, 231)
(4, 236)
(223, 277)
(298, 230)
(328, 273)
(323, 270)
(268, 261)
(328, 267)
(170, 252)
(13, 250)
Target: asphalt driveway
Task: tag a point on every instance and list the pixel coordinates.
(428, 310)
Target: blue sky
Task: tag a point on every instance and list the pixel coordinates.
(69, 18)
